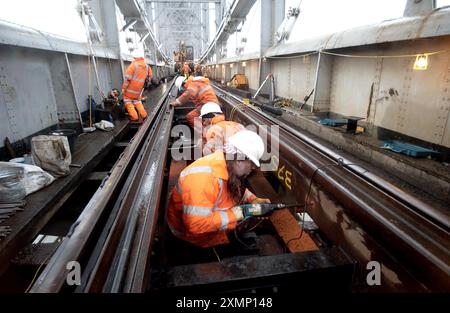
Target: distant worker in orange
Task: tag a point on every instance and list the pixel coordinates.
(216, 130)
(202, 208)
(198, 70)
(186, 70)
(135, 77)
(198, 91)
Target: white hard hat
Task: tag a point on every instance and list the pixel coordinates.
(249, 143)
(179, 82)
(137, 54)
(210, 107)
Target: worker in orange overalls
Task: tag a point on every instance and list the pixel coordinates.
(198, 70)
(198, 91)
(133, 85)
(186, 70)
(202, 207)
(197, 73)
(216, 130)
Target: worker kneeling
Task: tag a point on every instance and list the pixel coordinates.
(202, 208)
(198, 91)
(216, 130)
(136, 75)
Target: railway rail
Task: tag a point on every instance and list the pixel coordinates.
(111, 237)
(357, 211)
(371, 218)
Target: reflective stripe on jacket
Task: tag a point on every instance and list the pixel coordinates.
(135, 77)
(196, 78)
(217, 134)
(199, 208)
(198, 91)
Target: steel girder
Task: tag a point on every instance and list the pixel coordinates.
(171, 20)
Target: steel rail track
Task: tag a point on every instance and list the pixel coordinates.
(419, 206)
(371, 218)
(89, 236)
(132, 271)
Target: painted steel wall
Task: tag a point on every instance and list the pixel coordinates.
(27, 99)
(351, 81)
(36, 89)
(251, 71)
(80, 75)
(414, 103)
(294, 77)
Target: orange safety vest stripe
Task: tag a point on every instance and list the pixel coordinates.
(198, 92)
(199, 208)
(202, 93)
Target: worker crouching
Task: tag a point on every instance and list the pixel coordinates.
(136, 75)
(196, 90)
(202, 205)
(216, 130)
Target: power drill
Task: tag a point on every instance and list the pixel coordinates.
(261, 209)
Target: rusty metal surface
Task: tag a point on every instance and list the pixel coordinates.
(35, 254)
(257, 271)
(369, 222)
(291, 232)
(283, 221)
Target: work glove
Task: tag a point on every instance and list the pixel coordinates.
(260, 200)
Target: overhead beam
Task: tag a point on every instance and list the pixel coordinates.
(181, 31)
(190, 1)
(415, 8)
(238, 11)
(180, 25)
(272, 13)
(132, 9)
(410, 28)
(23, 36)
(129, 24)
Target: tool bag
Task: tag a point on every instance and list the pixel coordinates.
(52, 153)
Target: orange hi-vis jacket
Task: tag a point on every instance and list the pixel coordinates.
(188, 81)
(217, 134)
(200, 207)
(135, 77)
(186, 69)
(198, 91)
(192, 78)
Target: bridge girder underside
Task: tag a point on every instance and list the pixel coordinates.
(182, 21)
